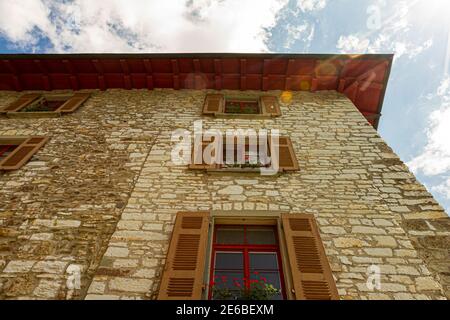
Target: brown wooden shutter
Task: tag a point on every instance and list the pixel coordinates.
(73, 103)
(270, 105)
(214, 103)
(311, 272)
(185, 264)
(21, 102)
(203, 165)
(287, 160)
(22, 153)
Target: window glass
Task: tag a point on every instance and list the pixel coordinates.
(257, 235)
(230, 235)
(246, 263)
(263, 261)
(241, 106)
(229, 260)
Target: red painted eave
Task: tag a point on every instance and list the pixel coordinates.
(362, 78)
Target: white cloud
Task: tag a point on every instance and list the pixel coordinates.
(303, 32)
(435, 158)
(311, 5)
(141, 25)
(353, 43)
(390, 36)
(443, 188)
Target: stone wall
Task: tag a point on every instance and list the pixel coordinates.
(105, 182)
(58, 212)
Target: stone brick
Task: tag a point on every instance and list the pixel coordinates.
(379, 252)
(427, 283)
(57, 267)
(117, 252)
(19, 266)
(368, 230)
(130, 285)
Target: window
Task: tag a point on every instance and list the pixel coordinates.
(44, 105)
(245, 259)
(262, 107)
(248, 159)
(16, 151)
(241, 106)
(284, 249)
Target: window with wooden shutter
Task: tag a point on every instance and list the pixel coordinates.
(24, 149)
(21, 102)
(200, 152)
(287, 160)
(214, 103)
(242, 106)
(270, 106)
(183, 276)
(73, 103)
(311, 273)
(45, 105)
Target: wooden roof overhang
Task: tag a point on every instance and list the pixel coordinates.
(362, 78)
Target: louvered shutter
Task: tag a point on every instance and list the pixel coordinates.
(287, 161)
(311, 272)
(185, 264)
(23, 153)
(214, 103)
(270, 105)
(73, 103)
(21, 102)
(203, 165)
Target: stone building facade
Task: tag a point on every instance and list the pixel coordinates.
(101, 197)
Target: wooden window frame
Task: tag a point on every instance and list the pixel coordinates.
(215, 105)
(246, 249)
(198, 271)
(222, 168)
(26, 148)
(72, 101)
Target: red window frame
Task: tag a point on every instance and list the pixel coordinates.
(245, 249)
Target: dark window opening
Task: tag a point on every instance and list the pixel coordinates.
(246, 264)
(44, 105)
(5, 150)
(242, 106)
(256, 157)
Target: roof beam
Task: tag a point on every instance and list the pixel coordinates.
(265, 78)
(74, 83)
(126, 73)
(149, 70)
(197, 76)
(243, 68)
(175, 74)
(100, 77)
(14, 74)
(44, 74)
(217, 74)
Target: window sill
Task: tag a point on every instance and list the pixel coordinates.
(243, 116)
(235, 171)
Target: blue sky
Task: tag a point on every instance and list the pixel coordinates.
(416, 112)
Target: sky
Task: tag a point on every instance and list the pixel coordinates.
(416, 111)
